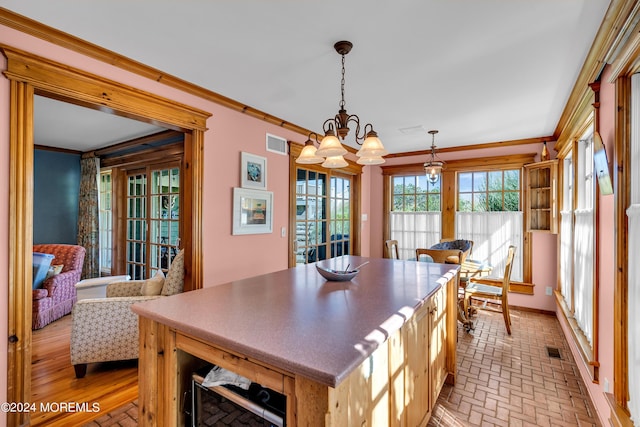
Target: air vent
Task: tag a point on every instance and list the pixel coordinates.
(554, 352)
(413, 130)
(276, 144)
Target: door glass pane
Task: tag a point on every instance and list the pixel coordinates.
(310, 214)
(340, 216)
(106, 222)
(153, 225)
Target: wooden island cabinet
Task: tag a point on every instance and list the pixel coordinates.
(374, 351)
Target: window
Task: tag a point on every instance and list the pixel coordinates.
(489, 213)
(566, 230)
(583, 241)
(492, 191)
(486, 208)
(105, 220)
(415, 213)
(579, 298)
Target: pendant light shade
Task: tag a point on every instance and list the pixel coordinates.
(433, 168)
(335, 162)
(372, 147)
(369, 161)
(308, 154)
(330, 146)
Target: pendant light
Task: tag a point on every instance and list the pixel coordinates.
(433, 167)
(331, 150)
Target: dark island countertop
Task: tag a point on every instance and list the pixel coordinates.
(297, 321)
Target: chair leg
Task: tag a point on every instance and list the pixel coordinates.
(81, 370)
(507, 316)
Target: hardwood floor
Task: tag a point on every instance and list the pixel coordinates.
(106, 386)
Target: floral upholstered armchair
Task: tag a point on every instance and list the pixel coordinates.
(56, 295)
(105, 329)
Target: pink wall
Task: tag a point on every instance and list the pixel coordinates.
(606, 242)
(544, 245)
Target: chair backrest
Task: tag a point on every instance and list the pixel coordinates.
(507, 271)
(441, 256)
(392, 249)
(174, 281)
(71, 256)
(466, 246)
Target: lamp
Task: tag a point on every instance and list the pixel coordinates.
(330, 147)
(433, 167)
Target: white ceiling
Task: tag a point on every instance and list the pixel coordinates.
(478, 70)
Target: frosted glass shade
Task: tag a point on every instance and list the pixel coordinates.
(335, 162)
(331, 147)
(308, 155)
(372, 147)
(369, 161)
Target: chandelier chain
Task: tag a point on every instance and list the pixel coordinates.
(342, 103)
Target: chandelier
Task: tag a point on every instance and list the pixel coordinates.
(433, 167)
(330, 152)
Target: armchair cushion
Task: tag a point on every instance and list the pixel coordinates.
(174, 282)
(124, 288)
(154, 285)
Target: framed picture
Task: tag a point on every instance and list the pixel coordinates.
(253, 171)
(252, 211)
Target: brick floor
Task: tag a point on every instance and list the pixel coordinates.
(511, 380)
(502, 380)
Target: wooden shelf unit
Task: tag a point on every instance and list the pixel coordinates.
(541, 205)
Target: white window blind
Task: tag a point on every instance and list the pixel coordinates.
(492, 234)
(633, 238)
(414, 230)
(583, 241)
(566, 231)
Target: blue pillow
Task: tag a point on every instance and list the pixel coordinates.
(41, 263)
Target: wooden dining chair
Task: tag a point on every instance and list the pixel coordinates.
(498, 293)
(441, 256)
(392, 249)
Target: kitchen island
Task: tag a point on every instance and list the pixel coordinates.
(376, 349)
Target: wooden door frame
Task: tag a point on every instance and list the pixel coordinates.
(30, 75)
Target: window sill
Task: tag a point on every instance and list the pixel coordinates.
(579, 339)
(619, 415)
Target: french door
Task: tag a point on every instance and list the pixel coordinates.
(152, 219)
(323, 215)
